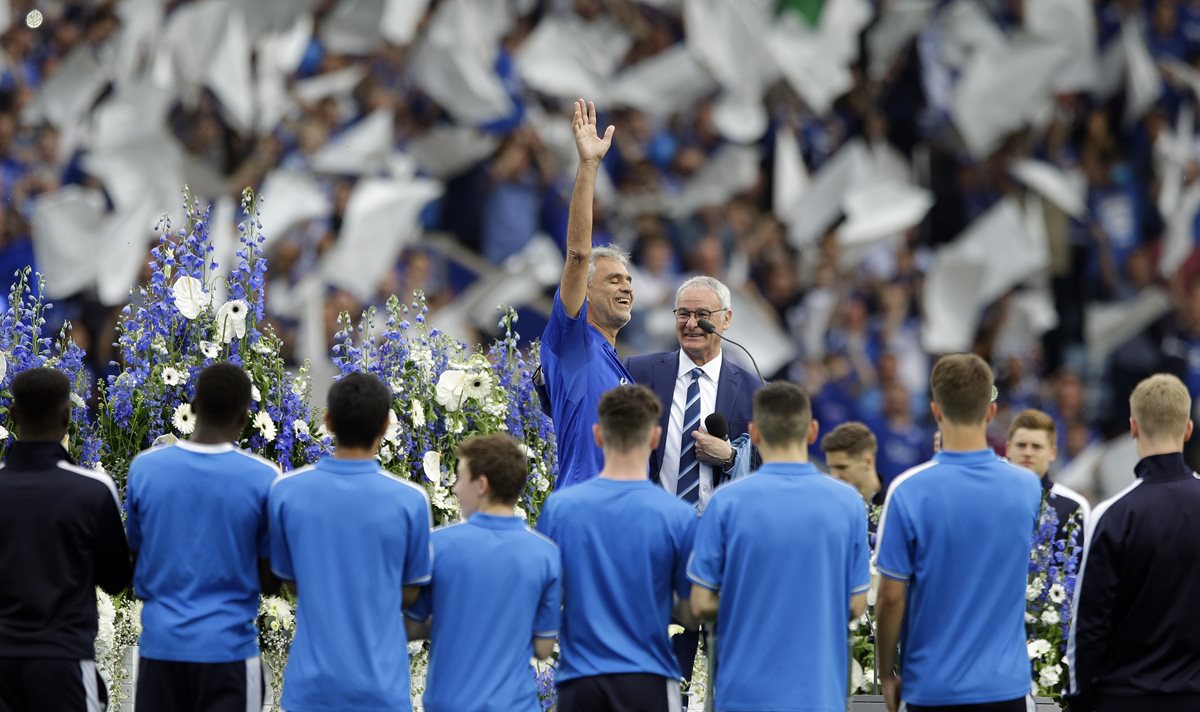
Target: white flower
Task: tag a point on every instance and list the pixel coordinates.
(173, 376)
(100, 467)
(418, 414)
(185, 419)
(106, 635)
(263, 347)
(521, 513)
(385, 452)
(323, 432)
(431, 464)
(159, 344)
(255, 394)
(280, 612)
(3, 365)
(1049, 676)
(1029, 618)
(300, 427)
(209, 349)
(1050, 617)
(1034, 589)
(1057, 593)
(396, 385)
(858, 680)
(449, 390)
(674, 629)
(190, 297)
(478, 385)
(264, 425)
(77, 401)
(231, 320)
(1038, 648)
(543, 483)
(393, 430)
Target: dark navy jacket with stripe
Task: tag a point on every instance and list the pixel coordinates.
(1135, 640)
(60, 536)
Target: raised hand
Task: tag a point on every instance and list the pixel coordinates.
(588, 141)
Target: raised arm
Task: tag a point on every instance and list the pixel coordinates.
(591, 147)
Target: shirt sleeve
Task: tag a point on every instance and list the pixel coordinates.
(549, 612)
(133, 515)
(1091, 627)
(113, 568)
(706, 566)
(566, 336)
(281, 555)
(545, 522)
(422, 610)
(896, 543)
(418, 559)
(858, 578)
(687, 540)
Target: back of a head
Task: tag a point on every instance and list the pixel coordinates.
(853, 438)
(627, 414)
(962, 388)
(1034, 419)
(782, 413)
(499, 457)
(358, 409)
(222, 395)
(41, 408)
(1161, 407)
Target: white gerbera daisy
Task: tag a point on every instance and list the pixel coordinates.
(1057, 593)
(185, 419)
(264, 425)
(231, 320)
(173, 376)
(300, 427)
(478, 385)
(418, 414)
(209, 349)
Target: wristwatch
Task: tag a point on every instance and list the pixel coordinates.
(729, 463)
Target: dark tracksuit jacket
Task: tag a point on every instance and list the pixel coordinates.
(1135, 640)
(60, 536)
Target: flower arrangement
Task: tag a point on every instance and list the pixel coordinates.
(276, 627)
(119, 629)
(1053, 569)
(445, 391)
(23, 346)
(863, 675)
(175, 327)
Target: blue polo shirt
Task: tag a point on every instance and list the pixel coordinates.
(197, 518)
(496, 587)
(959, 529)
(624, 548)
(579, 365)
(351, 536)
(786, 549)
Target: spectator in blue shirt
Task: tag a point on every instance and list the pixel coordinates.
(481, 644)
(593, 302)
(625, 543)
(953, 551)
(197, 523)
(355, 540)
(782, 552)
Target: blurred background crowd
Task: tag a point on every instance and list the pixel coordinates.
(877, 180)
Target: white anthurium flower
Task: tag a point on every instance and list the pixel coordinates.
(858, 680)
(431, 464)
(174, 377)
(393, 429)
(478, 385)
(255, 394)
(1057, 593)
(449, 390)
(185, 419)
(209, 349)
(1038, 648)
(264, 425)
(418, 414)
(1051, 617)
(190, 297)
(231, 320)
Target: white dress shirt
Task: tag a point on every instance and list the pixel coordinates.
(668, 474)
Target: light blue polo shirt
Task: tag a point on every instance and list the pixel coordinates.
(959, 529)
(197, 519)
(351, 536)
(579, 365)
(624, 549)
(496, 586)
(786, 549)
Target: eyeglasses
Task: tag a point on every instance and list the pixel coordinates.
(683, 315)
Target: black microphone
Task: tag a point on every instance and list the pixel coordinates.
(707, 327)
(717, 426)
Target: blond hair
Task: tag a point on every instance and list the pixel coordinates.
(1033, 419)
(1161, 406)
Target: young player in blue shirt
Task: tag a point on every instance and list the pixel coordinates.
(624, 544)
(782, 553)
(355, 540)
(953, 553)
(197, 525)
(496, 595)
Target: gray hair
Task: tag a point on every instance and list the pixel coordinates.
(712, 283)
(606, 252)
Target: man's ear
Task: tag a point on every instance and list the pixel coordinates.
(814, 429)
(991, 412)
(1133, 428)
(755, 435)
(1187, 433)
(598, 435)
(655, 436)
(935, 411)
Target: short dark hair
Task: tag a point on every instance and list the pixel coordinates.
(782, 413)
(41, 401)
(222, 395)
(499, 457)
(962, 387)
(627, 415)
(1033, 419)
(358, 409)
(853, 438)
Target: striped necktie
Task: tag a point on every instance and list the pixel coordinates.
(688, 484)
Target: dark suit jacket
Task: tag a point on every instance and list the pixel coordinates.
(735, 395)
